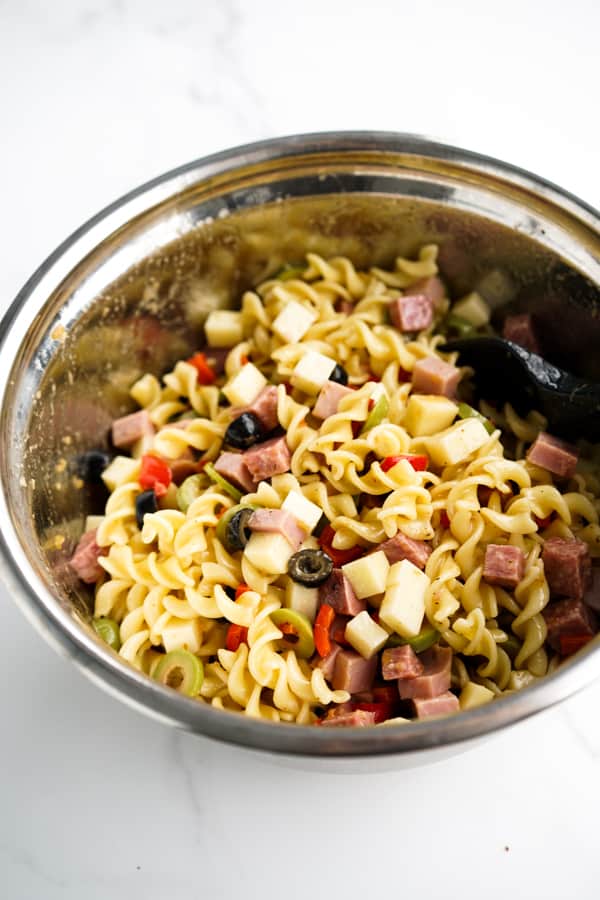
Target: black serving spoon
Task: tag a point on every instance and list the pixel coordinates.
(504, 371)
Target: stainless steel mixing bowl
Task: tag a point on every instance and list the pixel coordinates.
(128, 293)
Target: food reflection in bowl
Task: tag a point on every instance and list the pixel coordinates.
(315, 518)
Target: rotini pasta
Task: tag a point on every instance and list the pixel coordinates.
(375, 548)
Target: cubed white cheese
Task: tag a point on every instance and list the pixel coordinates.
(427, 414)
(473, 695)
(244, 388)
(121, 470)
(473, 308)
(403, 604)
(302, 599)
(268, 552)
(304, 511)
(365, 635)
(182, 634)
(457, 443)
(368, 575)
(93, 522)
(312, 371)
(223, 328)
(293, 322)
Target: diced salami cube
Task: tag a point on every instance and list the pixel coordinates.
(216, 357)
(400, 662)
(592, 594)
(442, 705)
(338, 593)
(412, 312)
(504, 565)
(182, 467)
(270, 458)
(555, 455)
(434, 680)
(84, 561)
(329, 398)
(431, 287)
(278, 521)
(567, 567)
(264, 408)
(352, 673)
(568, 617)
(402, 547)
(232, 466)
(520, 330)
(356, 718)
(327, 663)
(434, 376)
(129, 429)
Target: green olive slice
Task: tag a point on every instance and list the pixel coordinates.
(188, 491)
(232, 528)
(427, 638)
(108, 630)
(377, 414)
(297, 632)
(222, 482)
(180, 670)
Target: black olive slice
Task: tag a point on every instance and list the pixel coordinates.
(310, 567)
(90, 466)
(339, 375)
(245, 431)
(144, 503)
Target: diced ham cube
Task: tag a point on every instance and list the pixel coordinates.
(352, 673)
(434, 376)
(264, 408)
(555, 455)
(327, 663)
(412, 312)
(519, 329)
(329, 398)
(338, 593)
(270, 458)
(356, 718)
(278, 521)
(400, 662)
(435, 679)
(84, 561)
(442, 705)
(232, 466)
(503, 565)
(567, 567)
(431, 287)
(568, 617)
(402, 547)
(129, 429)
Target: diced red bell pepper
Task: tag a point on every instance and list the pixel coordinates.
(206, 375)
(571, 643)
(236, 635)
(241, 589)
(155, 473)
(543, 523)
(444, 519)
(338, 557)
(325, 617)
(418, 462)
(381, 711)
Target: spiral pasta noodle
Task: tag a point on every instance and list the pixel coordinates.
(171, 581)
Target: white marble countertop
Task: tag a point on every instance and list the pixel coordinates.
(97, 801)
